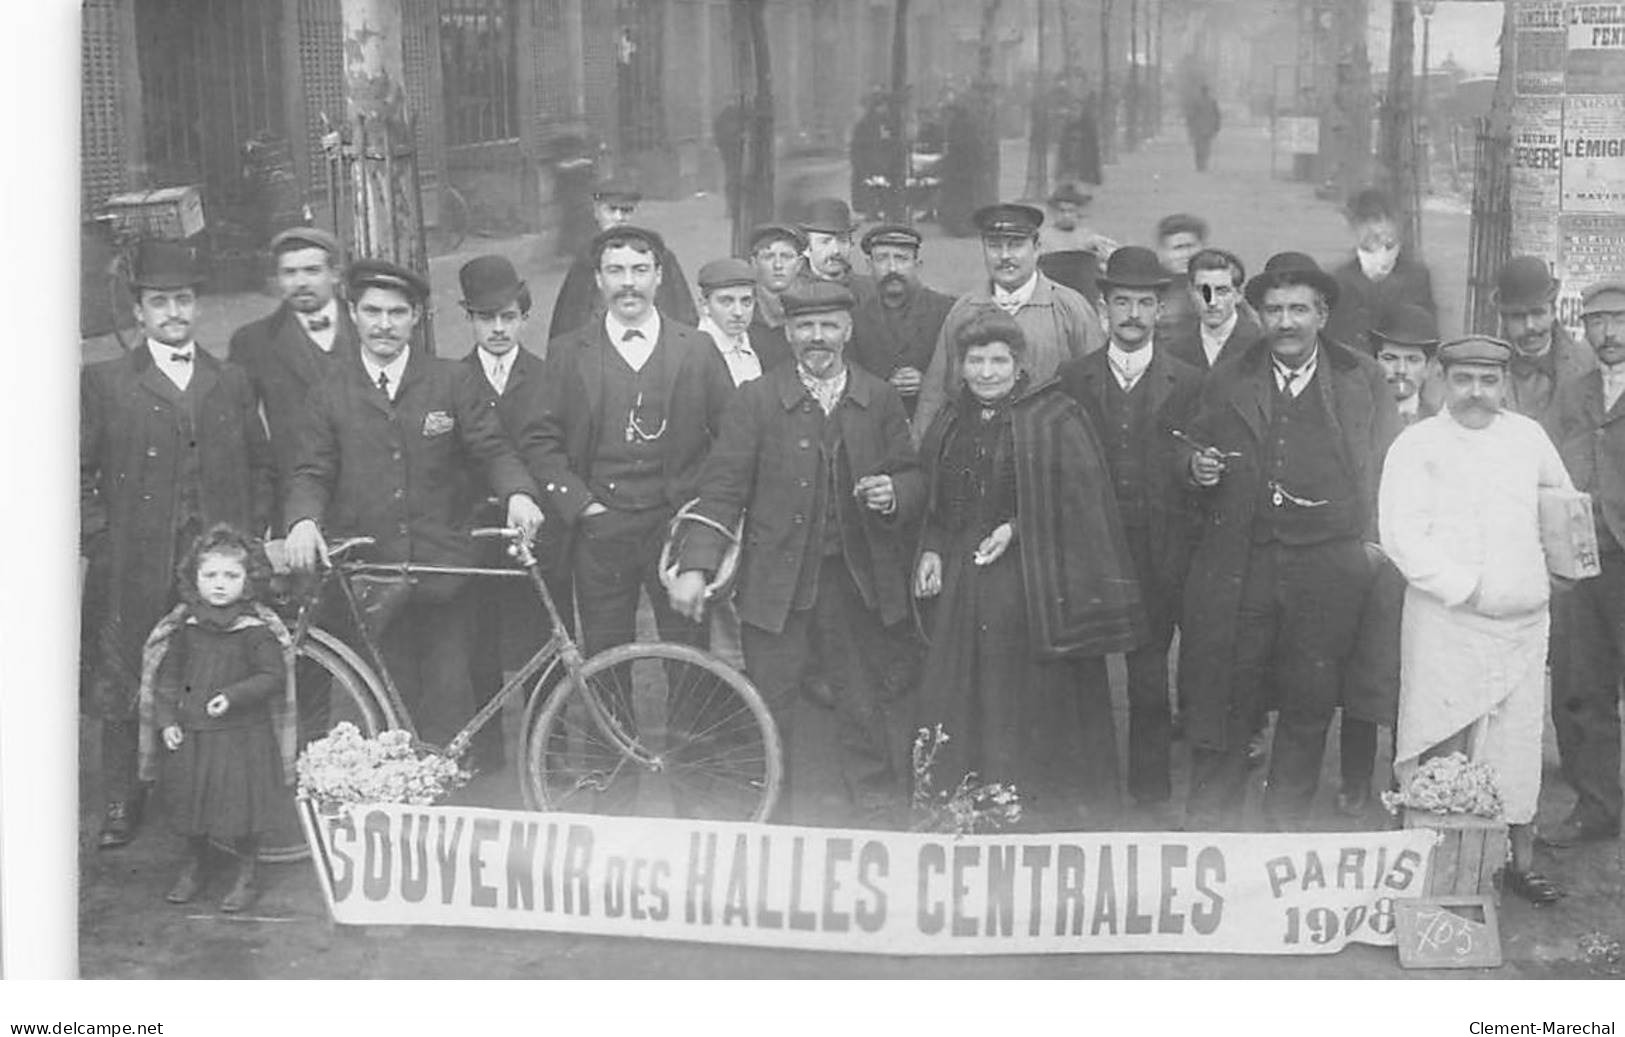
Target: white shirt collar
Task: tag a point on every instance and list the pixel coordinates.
(179, 372)
(1012, 301)
(395, 369)
(1213, 341)
(1301, 377)
(638, 350)
(326, 336)
(1410, 405)
(1127, 366)
(743, 363)
(497, 368)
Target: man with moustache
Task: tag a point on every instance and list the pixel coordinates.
(613, 204)
(777, 253)
(299, 343)
(1179, 238)
(1059, 323)
(895, 329)
(170, 443)
(1544, 356)
(1223, 328)
(828, 228)
(1137, 395)
(1285, 450)
(628, 409)
(727, 306)
(1588, 618)
(403, 447)
(817, 456)
(1460, 506)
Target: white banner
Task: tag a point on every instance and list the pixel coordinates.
(865, 891)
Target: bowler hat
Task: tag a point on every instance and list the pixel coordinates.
(1068, 193)
(165, 265)
(490, 284)
(292, 238)
(1133, 266)
(1603, 297)
(899, 234)
(815, 297)
(1475, 349)
(1291, 268)
(1008, 218)
(766, 232)
(827, 216)
(725, 273)
(1406, 324)
(380, 273)
(623, 233)
(616, 189)
(1524, 283)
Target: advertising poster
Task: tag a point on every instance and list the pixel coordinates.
(1591, 248)
(1540, 47)
(1593, 178)
(1596, 48)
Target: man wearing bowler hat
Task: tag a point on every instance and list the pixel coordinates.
(1059, 323)
(170, 443)
(1285, 452)
(828, 228)
(297, 344)
(614, 202)
(1588, 617)
(1404, 340)
(403, 447)
(895, 329)
(1544, 356)
(1136, 395)
(817, 456)
(727, 309)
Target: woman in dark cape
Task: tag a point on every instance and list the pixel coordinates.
(1033, 588)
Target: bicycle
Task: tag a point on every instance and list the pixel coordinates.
(644, 727)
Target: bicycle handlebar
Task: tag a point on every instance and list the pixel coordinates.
(497, 532)
(340, 546)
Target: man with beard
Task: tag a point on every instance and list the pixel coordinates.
(776, 251)
(895, 329)
(1136, 394)
(828, 230)
(1544, 356)
(299, 343)
(403, 447)
(629, 407)
(1059, 323)
(727, 306)
(1223, 328)
(1179, 238)
(1588, 646)
(1460, 506)
(613, 204)
(817, 456)
(170, 444)
(1286, 448)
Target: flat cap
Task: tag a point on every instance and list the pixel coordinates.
(815, 297)
(1603, 297)
(380, 273)
(291, 238)
(626, 232)
(1008, 218)
(726, 273)
(766, 232)
(900, 234)
(1069, 193)
(1181, 223)
(1475, 349)
(613, 189)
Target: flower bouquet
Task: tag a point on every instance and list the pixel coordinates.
(973, 806)
(1449, 785)
(1461, 801)
(348, 768)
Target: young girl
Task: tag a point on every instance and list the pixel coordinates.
(217, 695)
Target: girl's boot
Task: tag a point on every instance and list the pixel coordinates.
(244, 892)
(190, 880)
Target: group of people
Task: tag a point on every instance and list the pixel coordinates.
(952, 511)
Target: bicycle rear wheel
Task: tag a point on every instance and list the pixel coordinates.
(655, 730)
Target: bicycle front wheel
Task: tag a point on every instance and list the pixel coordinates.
(655, 730)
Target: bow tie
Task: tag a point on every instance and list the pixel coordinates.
(320, 323)
(631, 333)
(181, 358)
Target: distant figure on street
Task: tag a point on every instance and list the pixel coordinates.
(895, 330)
(1077, 152)
(961, 169)
(871, 155)
(1379, 275)
(1544, 356)
(1202, 123)
(729, 131)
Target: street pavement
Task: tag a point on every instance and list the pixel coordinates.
(127, 931)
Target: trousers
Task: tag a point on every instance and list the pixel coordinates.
(1588, 661)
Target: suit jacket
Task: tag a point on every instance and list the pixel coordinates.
(1174, 387)
(1186, 344)
(560, 438)
(1234, 415)
(282, 364)
(1536, 396)
(771, 345)
(765, 465)
(884, 340)
(412, 473)
(579, 301)
(1591, 441)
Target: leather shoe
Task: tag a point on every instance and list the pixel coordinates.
(186, 886)
(1570, 833)
(118, 825)
(242, 895)
(1534, 887)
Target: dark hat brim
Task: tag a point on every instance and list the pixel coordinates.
(1427, 346)
(1325, 283)
(494, 299)
(1522, 302)
(166, 280)
(1143, 283)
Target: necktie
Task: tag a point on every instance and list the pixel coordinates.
(321, 323)
(631, 333)
(1289, 377)
(182, 358)
(383, 382)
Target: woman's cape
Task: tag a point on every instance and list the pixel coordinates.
(283, 710)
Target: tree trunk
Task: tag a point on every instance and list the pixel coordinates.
(896, 204)
(755, 76)
(985, 96)
(1107, 116)
(1397, 150)
(1038, 133)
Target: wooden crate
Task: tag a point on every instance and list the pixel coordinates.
(1468, 856)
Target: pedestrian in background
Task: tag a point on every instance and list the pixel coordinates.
(1202, 122)
(1381, 274)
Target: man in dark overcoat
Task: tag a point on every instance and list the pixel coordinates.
(895, 328)
(613, 204)
(298, 344)
(1137, 396)
(1544, 355)
(629, 407)
(1292, 435)
(1223, 327)
(1588, 617)
(817, 456)
(170, 443)
(403, 447)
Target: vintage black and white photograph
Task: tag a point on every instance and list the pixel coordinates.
(849, 489)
